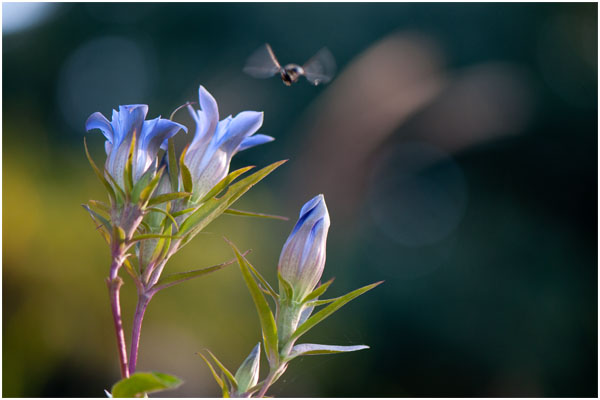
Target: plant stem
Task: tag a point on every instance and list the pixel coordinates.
(114, 283)
(113, 288)
(274, 374)
(143, 300)
(266, 385)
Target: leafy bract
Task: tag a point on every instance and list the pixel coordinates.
(330, 309)
(241, 213)
(141, 383)
(267, 320)
(308, 349)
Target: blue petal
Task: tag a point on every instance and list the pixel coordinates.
(99, 121)
(254, 140)
(308, 209)
(243, 125)
(210, 111)
(156, 132)
(130, 118)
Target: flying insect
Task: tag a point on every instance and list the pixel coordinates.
(263, 64)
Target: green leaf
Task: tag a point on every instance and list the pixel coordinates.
(214, 207)
(147, 236)
(102, 225)
(119, 192)
(318, 292)
(168, 197)
(308, 349)
(224, 370)
(219, 380)
(224, 182)
(330, 309)
(186, 175)
(141, 383)
(231, 211)
(187, 210)
(262, 280)
(100, 206)
(180, 277)
(287, 287)
(147, 192)
(128, 170)
(130, 269)
(144, 180)
(109, 188)
(173, 169)
(267, 320)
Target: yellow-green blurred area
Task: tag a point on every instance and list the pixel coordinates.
(456, 149)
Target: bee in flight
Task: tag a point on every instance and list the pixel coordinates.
(263, 64)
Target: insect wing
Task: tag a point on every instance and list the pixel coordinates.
(262, 63)
(320, 68)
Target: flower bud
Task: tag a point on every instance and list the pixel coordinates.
(247, 374)
(303, 255)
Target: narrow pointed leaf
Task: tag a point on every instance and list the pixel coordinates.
(130, 269)
(309, 349)
(147, 192)
(224, 182)
(225, 394)
(147, 236)
(263, 281)
(128, 170)
(98, 217)
(186, 176)
(100, 205)
(109, 188)
(168, 197)
(141, 184)
(118, 191)
(141, 383)
(220, 382)
(267, 320)
(186, 211)
(224, 370)
(241, 213)
(317, 303)
(103, 228)
(173, 168)
(318, 292)
(180, 277)
(330, 309)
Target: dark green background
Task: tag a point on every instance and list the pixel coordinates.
(489, 252)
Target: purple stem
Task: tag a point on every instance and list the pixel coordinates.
(114, 283)
(143, 300)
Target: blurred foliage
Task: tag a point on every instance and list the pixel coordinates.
(503, 305)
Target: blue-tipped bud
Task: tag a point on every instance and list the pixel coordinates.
(247, 374)
(303, 255)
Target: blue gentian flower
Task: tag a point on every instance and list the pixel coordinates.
(303, 255)
(150, 136)
(216, 142)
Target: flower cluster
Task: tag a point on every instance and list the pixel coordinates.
(158, 202)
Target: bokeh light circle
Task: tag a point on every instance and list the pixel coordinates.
(418, 194)
(102, 74)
